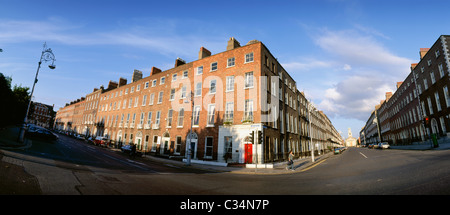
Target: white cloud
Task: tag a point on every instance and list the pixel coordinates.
(307, 64)
(159, 36)
(374, 71)
(347, 67)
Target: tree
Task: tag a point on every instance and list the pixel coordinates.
(13, 102)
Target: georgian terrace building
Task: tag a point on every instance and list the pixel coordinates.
(226, 98)
(422, 95)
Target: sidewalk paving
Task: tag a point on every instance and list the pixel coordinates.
(8, 141)
(426, 145)
(8, 138)
(301, 164)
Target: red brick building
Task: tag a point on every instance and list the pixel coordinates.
(226, 97)
(420, 105)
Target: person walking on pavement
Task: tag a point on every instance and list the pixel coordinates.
(290, 161)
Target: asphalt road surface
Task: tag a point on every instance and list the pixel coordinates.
(71, 166)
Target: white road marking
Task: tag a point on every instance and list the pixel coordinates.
(363, 155)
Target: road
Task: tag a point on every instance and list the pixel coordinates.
(74, 167)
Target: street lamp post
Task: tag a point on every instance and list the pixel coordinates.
(188, 143)
(310, 106)
(46, 55)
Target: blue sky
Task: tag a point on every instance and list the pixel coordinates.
(345, 54)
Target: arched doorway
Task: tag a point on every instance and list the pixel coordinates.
(138, 141)
(248, 150)
(192, 139)
(119, 138)
(164, 147)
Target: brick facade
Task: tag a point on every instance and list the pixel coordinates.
(424, 94)
(239, 91)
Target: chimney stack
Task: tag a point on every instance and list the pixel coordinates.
(388, 95)
(203, 53)
(137, 75)
(154, 71)
(122, 81)
(423, 52)
(179, 62)
(112, 85)
(232, 44)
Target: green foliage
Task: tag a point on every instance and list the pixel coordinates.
(13, 102)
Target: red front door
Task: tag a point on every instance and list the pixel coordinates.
(248, 156)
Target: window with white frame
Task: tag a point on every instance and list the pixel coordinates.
(199, 70)
(149, 118)
(152, 98)
(174, 77)
(162, 80)
(438, 103)
(213, 66)
(441, 70)
(183, 92)
(211, 114)
(248, 80)
(160, 97)
(134, 118)
(209, 147)
(447, 96)
(169, 118)
(249, 57)
(177, 145)
(248, 110)
(230, 62)
(430, 106)
(228, 144)
(185, 74)
(144, 100)
(157, 119)
(229, 112)
(172, 94)
(196, 116)
(180, 119)
(212, 86)
(136, 101)
(198, 89)
(230, 84)
(433, 79)
(142, 118)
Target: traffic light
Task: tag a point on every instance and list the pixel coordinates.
(427, 120)
(260, 136)
(252, 137)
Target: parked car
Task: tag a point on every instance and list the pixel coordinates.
(337, 151)
(383, 145)
(375, 146)
(80, 137)
(127, 149)
(100, 141)
(41, 134)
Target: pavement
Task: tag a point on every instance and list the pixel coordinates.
(8, 141)
(9, 136)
